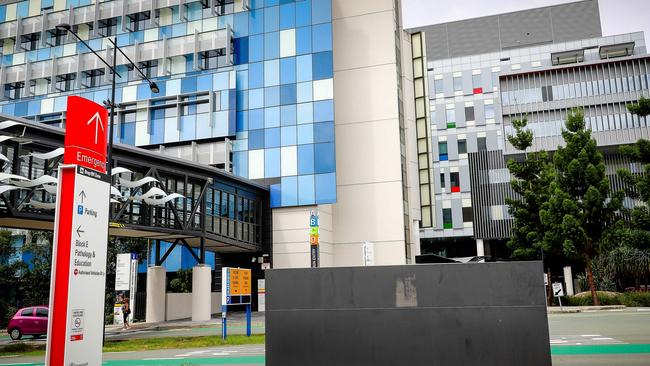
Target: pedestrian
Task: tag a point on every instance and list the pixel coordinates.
(126, 311)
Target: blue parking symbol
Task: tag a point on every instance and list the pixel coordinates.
(80, 210)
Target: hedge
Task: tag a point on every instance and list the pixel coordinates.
(630, 299)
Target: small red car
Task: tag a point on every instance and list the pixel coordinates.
(28, 321)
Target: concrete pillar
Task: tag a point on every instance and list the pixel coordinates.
(568, 281)
(156, 294)
(201, 293)
(480, 248)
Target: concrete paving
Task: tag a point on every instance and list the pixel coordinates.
(582, 309)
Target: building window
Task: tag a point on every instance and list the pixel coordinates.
(446, 218)
(451, 118)
(14, 90)
(468, 214)
(39, 86)
(469, 114)
(138, 21)
(462, 146)
(29, 42)
(442, 149)
(58, 37)
(442, 180)
(438, 85)
(489, 111)
(495, 80)
(455, 181)
(477, 84)
(481, 144)
(65, 82)
(108, 27)
(499, 175)
(210, 59)
(547, 93)
(497, 212)
(149, 68)
(458, 83)
(93, 78)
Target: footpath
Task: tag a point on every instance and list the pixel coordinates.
(236, 324)
(582, 309)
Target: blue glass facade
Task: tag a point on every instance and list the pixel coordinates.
(273, 95)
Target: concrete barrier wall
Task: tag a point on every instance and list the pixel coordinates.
(440, 314)
(179, 305)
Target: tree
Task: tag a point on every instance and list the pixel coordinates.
(531, 180)
(580, 209)
(637, 232)
(35, 280)
(641, 109)
(9, 268)
(183, 281)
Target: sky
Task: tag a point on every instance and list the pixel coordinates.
(616, 16)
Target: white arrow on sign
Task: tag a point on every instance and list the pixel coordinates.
(98, 124)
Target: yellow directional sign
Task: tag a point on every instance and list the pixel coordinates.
(240, 281)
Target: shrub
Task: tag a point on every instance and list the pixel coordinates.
(630, 299)
(635, 299)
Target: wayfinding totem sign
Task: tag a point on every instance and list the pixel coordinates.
(314, 239)
(75, 329)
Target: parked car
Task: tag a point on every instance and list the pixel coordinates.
(28, 321)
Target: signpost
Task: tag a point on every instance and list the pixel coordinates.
(235, 290)
(368, 253)
(261, 295)
(558, 291)
(126, 284)
(78, 276)
(314, 238)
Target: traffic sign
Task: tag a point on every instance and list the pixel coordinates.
(557, 289)
(76, 326)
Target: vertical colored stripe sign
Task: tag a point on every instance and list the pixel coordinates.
(314, 238)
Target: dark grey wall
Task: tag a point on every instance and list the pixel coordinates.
(427, 314)
(551, 24)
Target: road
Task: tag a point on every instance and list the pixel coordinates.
(620, 338)
(606, 338)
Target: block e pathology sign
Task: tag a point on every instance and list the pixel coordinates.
(76, 326)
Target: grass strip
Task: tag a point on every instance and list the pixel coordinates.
(143, 344)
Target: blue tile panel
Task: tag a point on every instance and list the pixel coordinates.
(179, 258)
(276, 102)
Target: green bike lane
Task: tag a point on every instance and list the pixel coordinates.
(641, 353)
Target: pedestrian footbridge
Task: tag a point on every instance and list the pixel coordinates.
(153, 196)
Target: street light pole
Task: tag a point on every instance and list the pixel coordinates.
(112, 104)
(112, 119)
(113, 67)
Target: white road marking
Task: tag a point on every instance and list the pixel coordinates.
(643, 309)
(193, 353)
(603, 339)
(161, 358)
(221, 354)
(558, 341)
(589, 335)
